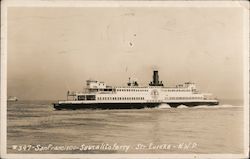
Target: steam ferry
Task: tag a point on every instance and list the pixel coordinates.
(97, 95)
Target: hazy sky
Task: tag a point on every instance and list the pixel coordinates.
(52, 50)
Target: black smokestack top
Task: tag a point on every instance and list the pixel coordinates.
(156, 81)
(156, 78)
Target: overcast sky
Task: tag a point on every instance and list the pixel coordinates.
(52, 50)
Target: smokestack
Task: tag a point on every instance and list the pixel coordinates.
(155, 81)
(156, 78)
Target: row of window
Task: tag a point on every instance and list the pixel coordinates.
(146, 90)
(106, 89)
(185, 97)
(177, 90)
(120, 98)
(87, 97)
(132, 90)
(154, 101)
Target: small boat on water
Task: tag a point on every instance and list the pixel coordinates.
(12, 99)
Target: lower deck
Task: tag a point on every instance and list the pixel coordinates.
(74, 106)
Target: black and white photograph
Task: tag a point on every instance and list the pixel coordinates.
(124, 79)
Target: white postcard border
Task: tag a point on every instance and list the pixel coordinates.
(74, 3)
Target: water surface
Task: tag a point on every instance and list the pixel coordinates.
(202, 129)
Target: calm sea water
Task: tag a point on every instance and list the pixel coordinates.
(35, 127)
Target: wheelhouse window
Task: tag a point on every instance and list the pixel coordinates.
(81, 97)
(90, 97)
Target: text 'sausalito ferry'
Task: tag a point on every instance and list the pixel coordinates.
(100, 96)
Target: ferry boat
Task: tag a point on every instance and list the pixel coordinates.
(98, 95)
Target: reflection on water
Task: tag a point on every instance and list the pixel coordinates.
(214, 129)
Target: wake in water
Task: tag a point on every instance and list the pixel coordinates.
(216, 106)
(163, 106)
(182, 106)
(166, 106)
